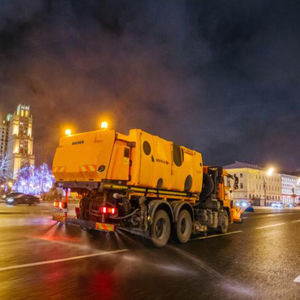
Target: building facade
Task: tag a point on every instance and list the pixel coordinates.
(290, 190)
(3, 138)
(18, 145)
(255, 184)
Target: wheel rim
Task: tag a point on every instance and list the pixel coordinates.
(224, 223)
(183, 226)
(159, 228)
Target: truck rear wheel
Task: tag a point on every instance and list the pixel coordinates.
(223, 222)
(184, 226)
(160, 228)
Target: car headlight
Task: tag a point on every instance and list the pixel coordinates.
(10, 200)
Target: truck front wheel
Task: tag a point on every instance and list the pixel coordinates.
(184, 226)
(160, 228)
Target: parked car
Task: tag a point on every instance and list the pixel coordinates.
(11, 194)
(22, 199)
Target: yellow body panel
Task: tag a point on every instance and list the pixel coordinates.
(157, 168)
(140, 159)
(78, 157)
(119, 164)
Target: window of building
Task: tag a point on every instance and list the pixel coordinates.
(241, 175)
(241, 185)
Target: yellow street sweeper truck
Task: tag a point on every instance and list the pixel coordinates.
(143, 184)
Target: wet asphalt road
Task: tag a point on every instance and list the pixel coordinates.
(259, 259)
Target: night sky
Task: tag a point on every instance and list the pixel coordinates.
(221, 77)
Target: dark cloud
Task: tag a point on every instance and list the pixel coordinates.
(218, 76)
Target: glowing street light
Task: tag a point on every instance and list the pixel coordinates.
(104, 125)
(68, 132)
(270, 171)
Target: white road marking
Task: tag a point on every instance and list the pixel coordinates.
(216, 235)
(297, 279)
(54, 261)
(280, 214)
(273, 215)
(269, 226)
(295, 221)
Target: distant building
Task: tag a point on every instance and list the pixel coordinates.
(3, 138)
(290, 190)
(17, 146)
(255, 184)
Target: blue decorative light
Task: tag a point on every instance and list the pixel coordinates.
(34, 181)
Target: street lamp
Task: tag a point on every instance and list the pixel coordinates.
(269, 173)
(68, 132)
(104, 125)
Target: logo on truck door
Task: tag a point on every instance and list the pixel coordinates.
(78, 142)
(161, 161)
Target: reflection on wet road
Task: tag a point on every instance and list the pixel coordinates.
(40, 259)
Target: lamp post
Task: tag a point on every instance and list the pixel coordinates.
(269, 173)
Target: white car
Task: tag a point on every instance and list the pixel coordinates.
(277, 205)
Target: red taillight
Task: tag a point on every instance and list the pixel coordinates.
(107, 210)
(77, 211)
(60, 205)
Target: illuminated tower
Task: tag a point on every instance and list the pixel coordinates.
(20, 141)
(3, 138)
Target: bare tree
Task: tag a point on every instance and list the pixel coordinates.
(4, 173)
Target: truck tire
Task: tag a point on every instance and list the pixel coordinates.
(208, 185)
(184, 226)
(223, 222)
(160, 228)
